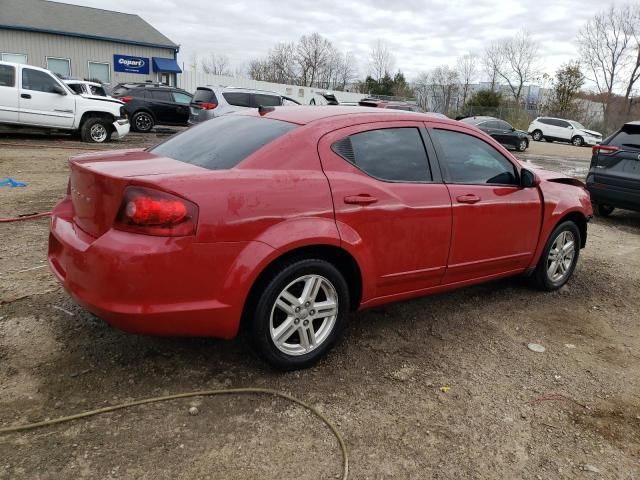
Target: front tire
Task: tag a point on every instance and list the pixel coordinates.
(537, 136)
(559, 258)
(299, 314)
(142, 122)
(577, 141)
(602, 210)
(95, 130)
(522, 145)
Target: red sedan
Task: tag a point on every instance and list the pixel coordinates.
(284, 221)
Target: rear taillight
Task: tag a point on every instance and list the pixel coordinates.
(208, 106)
(153, 212)
(604, 148)
(125, 99)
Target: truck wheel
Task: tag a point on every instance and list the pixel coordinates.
(95, 130)
(142, 122)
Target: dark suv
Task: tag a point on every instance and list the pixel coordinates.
(502, 131)
(149, 104)
(614, 173)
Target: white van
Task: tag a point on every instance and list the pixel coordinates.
(33, 98)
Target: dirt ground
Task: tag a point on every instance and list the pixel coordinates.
(572, 412)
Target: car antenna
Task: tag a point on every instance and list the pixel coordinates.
(262, 109)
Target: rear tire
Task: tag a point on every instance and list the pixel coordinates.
(142, 122)
(602, 210)
(559, 257)
(95, 130)
(537, 136)
(299, 314)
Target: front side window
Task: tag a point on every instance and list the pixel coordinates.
(239, 99)
(467, 159)
(267, 100)
(180, 97)
(503, 125)
(391, 154)
(38, 81)
(59, 66)
(7, 76)
(100, 71)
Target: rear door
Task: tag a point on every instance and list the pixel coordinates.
(162, 105)
(181, 102)
(41, 105)
(9, 103)
(386, 195)
(496, 222)
(619, 171)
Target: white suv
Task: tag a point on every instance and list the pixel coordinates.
(562, 130)
(35, 99)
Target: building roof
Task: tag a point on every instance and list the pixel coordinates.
(78, 21)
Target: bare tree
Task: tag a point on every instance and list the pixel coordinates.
(514, 61)
(436, 90)
(634, 64)
(422, 88)
(604, 44)
(347, 71)
(467, 67)
(193, 62)
(216, 64)
(312, 53)
(382, 61)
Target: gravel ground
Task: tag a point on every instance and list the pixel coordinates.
(442, 387)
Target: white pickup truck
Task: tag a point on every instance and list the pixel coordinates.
(35, 99)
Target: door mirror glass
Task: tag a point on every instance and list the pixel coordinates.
(58, 89)
(527, 178)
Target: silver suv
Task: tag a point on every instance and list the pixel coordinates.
(210, 102)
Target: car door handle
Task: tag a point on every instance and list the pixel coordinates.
(25, 95)
(469, 198)
(362, 199)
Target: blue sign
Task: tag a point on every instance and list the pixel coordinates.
(126, 63)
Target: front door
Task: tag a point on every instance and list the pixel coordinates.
(495, 221)
(387, 199)
(41, 105)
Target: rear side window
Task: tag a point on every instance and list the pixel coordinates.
(99, 91)
(392, 154)
(545, 121)
(400, 107)
(161, 95)
(239, 99)
(223, 142)
(180, 97)
(76, 87)
(267, 100)
(120, 90)
(7, 76)
(628, 138)
(467, 159)
(204, 95)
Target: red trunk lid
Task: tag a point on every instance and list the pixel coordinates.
(98, 181)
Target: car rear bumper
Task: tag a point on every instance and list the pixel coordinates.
(120, 128)
(145, 284)
(613, 196)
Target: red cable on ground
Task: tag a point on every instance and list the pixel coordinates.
(25, 217)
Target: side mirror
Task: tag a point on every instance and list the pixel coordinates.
(513, 129)
(570, 127)
(58, 89)
(528, 179)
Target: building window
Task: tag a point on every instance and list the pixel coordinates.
(100, 71)
(59, 66)
(13, 57)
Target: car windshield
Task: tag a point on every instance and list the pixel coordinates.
(577, 125)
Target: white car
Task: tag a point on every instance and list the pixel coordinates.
(35, 99)
(561, 130)
(86, 88)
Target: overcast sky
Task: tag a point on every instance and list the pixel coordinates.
(421, 33)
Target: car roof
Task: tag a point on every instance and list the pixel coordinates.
(479, 119)
(303, 115)
(237, 89)
(85, 82)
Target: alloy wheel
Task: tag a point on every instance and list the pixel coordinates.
(143, 122)
(98, 133)
(561, 256)
(303, 315)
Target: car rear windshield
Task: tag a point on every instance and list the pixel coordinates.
(222, 142)
(121, 90)
(627, 138)
(204, 95)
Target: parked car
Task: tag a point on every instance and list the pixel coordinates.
(33, 98)
(210, 102)
(87, 88)
(502, 131)
(284, 220)
(614, 174)
(149, 104)
(394, 105)
(558, 129)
